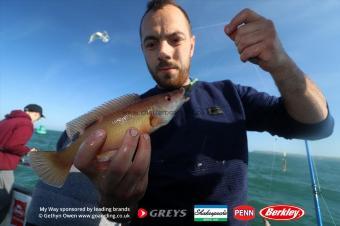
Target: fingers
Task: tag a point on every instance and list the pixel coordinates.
(247, 40)
(248, 28)
(141, 186)
(252, 52)
(122, 161)
(250, 35)
(142, 159)
(256, 40)
(86, 156)
(138, 169)
(132, 192)
(121, 181)
(103, 160)
(245, 29)
(243, 17)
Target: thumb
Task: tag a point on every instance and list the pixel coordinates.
(88, 150)
(229, 32)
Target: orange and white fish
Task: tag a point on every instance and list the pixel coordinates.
(115, 117)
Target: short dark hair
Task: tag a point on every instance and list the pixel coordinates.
(154, 5)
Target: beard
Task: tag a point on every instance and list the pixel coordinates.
(170, 80)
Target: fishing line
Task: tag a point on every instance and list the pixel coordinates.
(320, 193)
(258, 74)
(316, 175)
(209, 26)
(329, 212)
(316, 178)
(262, 83)
(219, 59)
(272, 168)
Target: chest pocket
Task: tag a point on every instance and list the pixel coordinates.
(218, 131)
(213, 113)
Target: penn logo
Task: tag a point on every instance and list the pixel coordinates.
(244, 213)
(282, 212)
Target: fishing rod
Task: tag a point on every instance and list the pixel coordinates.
(314, 186)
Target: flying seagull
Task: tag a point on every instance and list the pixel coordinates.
(104, 36)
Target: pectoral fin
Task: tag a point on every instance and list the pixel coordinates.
(155, 121)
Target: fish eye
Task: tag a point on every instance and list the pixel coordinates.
(168, 98)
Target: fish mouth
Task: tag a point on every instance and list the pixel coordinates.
(184, 94)
(179, 94)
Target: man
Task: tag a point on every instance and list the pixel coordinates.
(201, 156)
(15, 131)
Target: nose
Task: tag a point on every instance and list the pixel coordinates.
(165, 51)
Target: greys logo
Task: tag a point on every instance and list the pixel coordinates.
(167, 213)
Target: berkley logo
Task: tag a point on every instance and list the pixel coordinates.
(244, 213)
(282, 212)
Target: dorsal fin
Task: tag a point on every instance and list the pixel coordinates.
(79, 124)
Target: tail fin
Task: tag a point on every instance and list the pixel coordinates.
(51, 167)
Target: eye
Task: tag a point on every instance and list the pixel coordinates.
(175, 41)
(151, 44)
(168, 98)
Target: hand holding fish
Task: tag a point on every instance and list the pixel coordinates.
(121, 180)
(257, 41)
(115, 118)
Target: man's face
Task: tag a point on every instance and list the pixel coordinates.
(35, 116)
(168, 46)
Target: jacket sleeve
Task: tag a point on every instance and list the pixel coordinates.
(17, 143)
(268, 113)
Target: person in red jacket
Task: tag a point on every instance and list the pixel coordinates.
(15, 131)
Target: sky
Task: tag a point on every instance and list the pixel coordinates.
(45, 57)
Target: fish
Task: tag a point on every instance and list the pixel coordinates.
(115, 117)
(103, 36)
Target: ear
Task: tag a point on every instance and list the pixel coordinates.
(192, 47)
(141, 46)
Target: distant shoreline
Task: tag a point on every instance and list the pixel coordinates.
(267, 152)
